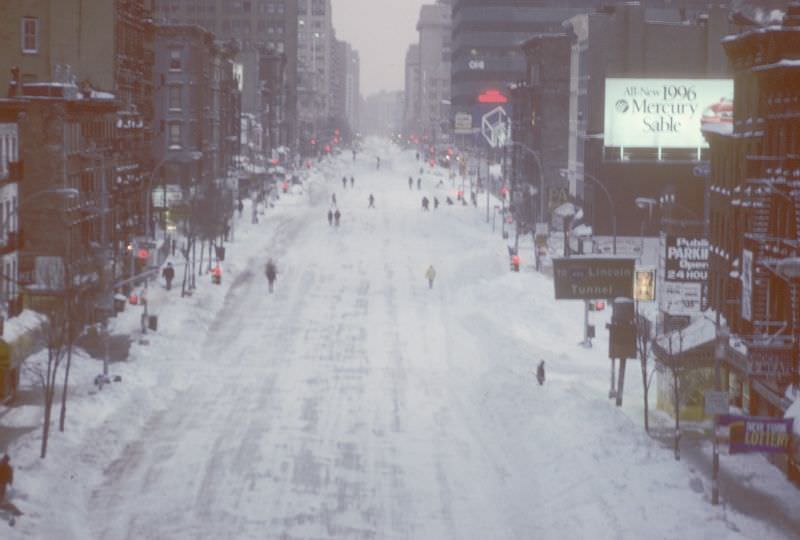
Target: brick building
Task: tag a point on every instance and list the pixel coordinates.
(755, 216)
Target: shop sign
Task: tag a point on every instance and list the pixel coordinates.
(686, 259)
(680, 298)
(770, 363)
(758, 434)
(645, 285)
(462, 122)
(589, 278)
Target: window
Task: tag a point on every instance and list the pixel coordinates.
(175, 97)
(174, 135)
(175, 63)
(30, 35)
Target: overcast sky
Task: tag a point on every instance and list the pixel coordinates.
(381, 31)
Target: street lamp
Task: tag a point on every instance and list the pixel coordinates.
(648, 204)
(535, 155)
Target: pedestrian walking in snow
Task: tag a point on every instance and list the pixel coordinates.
(272, 273)
(6, 476)
(425, 203)
(378, 162)
(352, 181)
(419, 183)
(540, 373)
(333, 198)
(410, 183)
(449, 201)
(169, 274)
(354, 155)
(371, 201)
(435, 203)
(344, 182)
(430, 275)
(240, 207)
(336, 216)
(330, 217)
(474, 197)
(417, 156)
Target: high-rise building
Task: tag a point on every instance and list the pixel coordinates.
(314, 41)
(433, 103)
(486, 56)
(411, 94)
(260, 27)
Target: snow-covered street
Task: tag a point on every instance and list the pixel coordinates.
(355, 402)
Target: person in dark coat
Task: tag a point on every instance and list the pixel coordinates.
(371, 201)
(410, 183)
(435, 203)
(240, 206)
(333, 198)
(6, 476)
(419, 183)
(169, 274)
(330, 217)
(336, 216)
(424, 203)
(449, 200)
(344, 182)
(352, 181)
(540, 373)
(272, 273)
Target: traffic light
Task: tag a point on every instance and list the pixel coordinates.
(622, 330)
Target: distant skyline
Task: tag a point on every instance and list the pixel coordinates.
(381, 31)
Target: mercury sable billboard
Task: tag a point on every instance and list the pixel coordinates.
(665, 113)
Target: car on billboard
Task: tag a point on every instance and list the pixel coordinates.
(717, 113)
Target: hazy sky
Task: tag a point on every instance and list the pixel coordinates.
(381, 31)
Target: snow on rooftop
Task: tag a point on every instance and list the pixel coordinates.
(701, 331)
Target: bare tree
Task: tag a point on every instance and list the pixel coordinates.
(643, 342)
(677, 370)
(56, 331)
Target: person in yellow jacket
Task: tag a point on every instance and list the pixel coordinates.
(430, 274)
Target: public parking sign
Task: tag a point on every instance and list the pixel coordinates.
(588, 278)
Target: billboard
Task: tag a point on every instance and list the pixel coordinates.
(665, 113)
(758, 434)
(686, 259)
(683, 261)
(588, 278)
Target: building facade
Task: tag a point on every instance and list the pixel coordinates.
(314, 57)
(486, 35)
(103, 48)
(411, 120)
(631, 42)
(433, 93)
(755, 217)
(196, 108)
(10, 240)
(539, 106)
(257, 26)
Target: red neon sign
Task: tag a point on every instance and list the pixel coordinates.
(492, 96)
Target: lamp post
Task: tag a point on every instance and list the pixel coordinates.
(648, 204)
(610, 204)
